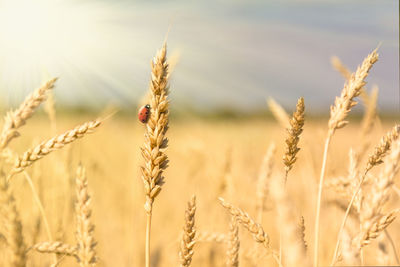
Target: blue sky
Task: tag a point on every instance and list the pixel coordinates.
(231, 53)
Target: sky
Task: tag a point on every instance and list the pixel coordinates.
(231, 54)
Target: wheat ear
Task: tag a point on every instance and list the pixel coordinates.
(338, 114)
(84, 227)
(50, 108)
(155, 143)
(346, 73)
(380, 151)
(55, 248)
(17, 118)
(295, 253)
(12, 226)
(263, 181)
(374, 159)
(210, 237)
(189, 232)
(279, 113)
(376, 228)
(244, 219)
(55, 143)
(292, 141)
(232, 254)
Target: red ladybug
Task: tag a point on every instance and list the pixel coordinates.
(144, 113)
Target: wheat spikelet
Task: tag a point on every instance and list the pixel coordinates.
(155, 143)
(84, 228)
(16, 119)
(243, 218)
(294, 249)
(232, 253)
(263, 180)
(352, 89)
(12, 226)
(384, 146)
(55, 143)
(55, 247)
(296, 128)
(279, 113)
(189, 232)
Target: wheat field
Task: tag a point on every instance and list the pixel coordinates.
(94, 191)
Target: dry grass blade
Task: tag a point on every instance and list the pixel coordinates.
(55, 143)
(55, 247)
(189, 232)
(84, 227)
(12, 226)
(279, 113)
(243, 218)
(232, 253)
(296, 128)
(16, 119)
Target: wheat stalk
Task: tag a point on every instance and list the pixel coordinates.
(232, 253)
(292, 140)
(155, 143)
(55, 143)
(17, 118)
(12, 226)
(84, 228)
(339, 112)
(189, 233)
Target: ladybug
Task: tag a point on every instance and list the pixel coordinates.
(144, 113)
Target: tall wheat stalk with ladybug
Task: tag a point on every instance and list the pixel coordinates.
(155, 117)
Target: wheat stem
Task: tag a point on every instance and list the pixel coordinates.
(321, 182)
